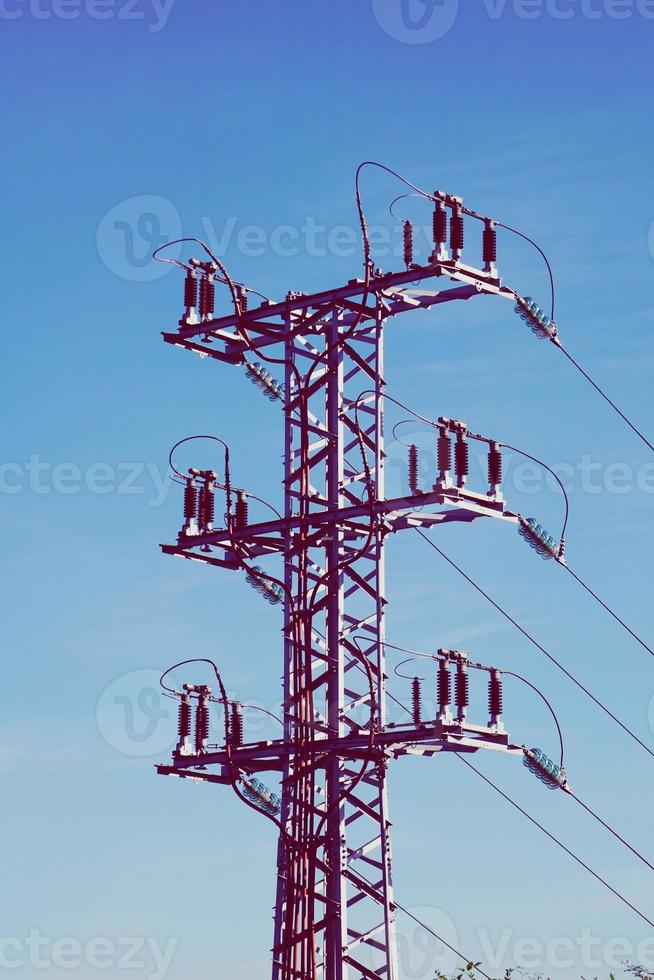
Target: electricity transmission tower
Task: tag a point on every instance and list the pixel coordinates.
(334, 915)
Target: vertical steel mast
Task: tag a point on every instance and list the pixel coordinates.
(351, 918)
(334, 912)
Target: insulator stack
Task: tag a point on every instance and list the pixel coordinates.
(551, 775)
(537, 537)
(271, 591)
(416, 700)
(444, 453)
(494, 467)
(462, 689)
(190, 502)
(489, 245)
(440, 230)
(236, 725)
(207, 507)
(456, 232)
(539, 324)
(184, 718)
(207, 297)
(408, 244)
(190, 292)
(202, 723)
(241, 512)
(255, 791)
(413, 469)
(258, 375)
(494, 696)
(243, 300)
(461, 459)
(444, 686)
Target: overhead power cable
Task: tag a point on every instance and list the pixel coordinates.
(556, 840)
(610, 829)
(625, 728)
(469, 963)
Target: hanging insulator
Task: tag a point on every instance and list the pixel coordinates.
(241, 512)
(190, 501)
(236, 725)
(207, 506)
(184, 718)
(190, 291)
(413, 469)
(494, 696)
(537, 537)
(551, 775)
(201, 724)
(494, 466)
(456, 232)
(242, 300)
(408, 244)
(416, 700)
(444, 452)
(207, 297)
(444, 685)
(461, 459)
(440, 229)
(462, 689)
(538, 323)
(489, 245)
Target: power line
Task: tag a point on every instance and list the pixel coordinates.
(538, 645)
(608, 608)
(556, 840)
(604, 395)
(423, 925)
(610, 829)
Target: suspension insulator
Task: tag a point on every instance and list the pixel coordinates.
(489, 244)
(444, 685)
(184, 717)
(494, 466)
(190, 500)
(408, 244)
(207, 296)
(190, 290)
(207, 507)
(495, 694)
(416, 700)
(536, 536)
(440, 225)
(444, 451)
(462, 687)
(243, 300)
(241, 512)
(413, 469)
(201, 725)
(236, 726)
(461, 459)
(551, 775)
(539, 324)
(456, 232)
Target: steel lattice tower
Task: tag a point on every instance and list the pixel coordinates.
(334, 916)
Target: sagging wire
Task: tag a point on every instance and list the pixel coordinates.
(190, 268)
(556, 840)
(557, 663)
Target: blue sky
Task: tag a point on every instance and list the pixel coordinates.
(214, 119)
